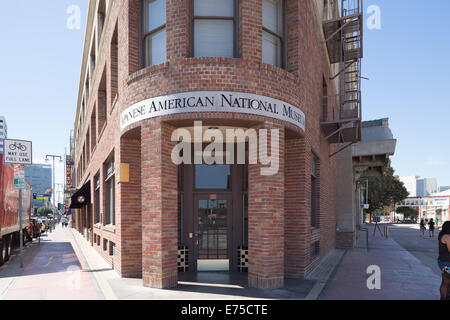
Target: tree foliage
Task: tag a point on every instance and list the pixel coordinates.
(385, 191)
(408, 212)
(44, 211)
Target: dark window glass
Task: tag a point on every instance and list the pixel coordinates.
(212, 177)
(314, 192)
(245, 221)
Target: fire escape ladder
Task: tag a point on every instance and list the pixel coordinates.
(344, 40)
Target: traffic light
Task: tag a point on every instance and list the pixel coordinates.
(34, 195)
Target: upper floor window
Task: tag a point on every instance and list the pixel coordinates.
(214, 28)
(273, 32)
(154, 32)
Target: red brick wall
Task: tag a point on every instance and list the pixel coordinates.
(266, 220)
(299, 85)
(159, 206)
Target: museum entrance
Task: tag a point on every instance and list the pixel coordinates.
(212, 217)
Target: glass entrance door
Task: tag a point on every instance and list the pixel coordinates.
(212, 236)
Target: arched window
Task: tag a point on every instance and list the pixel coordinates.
(214, 24)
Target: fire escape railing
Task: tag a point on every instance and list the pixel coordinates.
(344, 39)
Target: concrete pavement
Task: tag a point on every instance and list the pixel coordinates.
(403, 276)
(65, 266)
(52, 271)
(425, 249)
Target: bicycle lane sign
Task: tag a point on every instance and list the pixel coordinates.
(18, 151)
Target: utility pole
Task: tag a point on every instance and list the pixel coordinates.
(53, 173)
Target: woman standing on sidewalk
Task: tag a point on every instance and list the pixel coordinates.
(444, 259)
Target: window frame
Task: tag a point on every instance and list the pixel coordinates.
(281, 37)
(315, 204)
(145, 34)
(235, 19)
(109, 191)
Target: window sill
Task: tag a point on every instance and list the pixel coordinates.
(315, 229)
(98, 226)
(110, 228)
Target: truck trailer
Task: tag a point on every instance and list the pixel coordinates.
(9, 211)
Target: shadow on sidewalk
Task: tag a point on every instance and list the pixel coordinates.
(45, 258)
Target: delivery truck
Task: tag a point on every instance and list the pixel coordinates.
(9, 211)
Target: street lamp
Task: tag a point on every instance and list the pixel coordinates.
(53, 173)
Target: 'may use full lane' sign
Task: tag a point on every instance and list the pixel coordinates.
(212, 101)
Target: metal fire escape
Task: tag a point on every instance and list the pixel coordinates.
(344, 39)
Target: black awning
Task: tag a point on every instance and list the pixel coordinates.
(82, 197)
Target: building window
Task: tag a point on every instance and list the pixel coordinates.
(97, 198)
(324, 116)
(154, 31)
(112, 249)
(101, 16)
(114, 81)
(314, 251)
(314, 192)
(273, 32)
(109, 191)
(214, 28)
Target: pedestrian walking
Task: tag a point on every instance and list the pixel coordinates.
(64, 222)
(431, 228)
(422, 228)
(444, 260)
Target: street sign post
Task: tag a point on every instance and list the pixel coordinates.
(19, 184)
(19, 153)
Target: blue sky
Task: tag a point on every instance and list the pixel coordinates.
(407, 62)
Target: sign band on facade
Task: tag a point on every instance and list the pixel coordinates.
(213, 101)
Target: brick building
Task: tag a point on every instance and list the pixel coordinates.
(151, 67)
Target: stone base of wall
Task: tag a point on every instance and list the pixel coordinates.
(345, 240)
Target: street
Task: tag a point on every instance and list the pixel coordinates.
(407, 265)
(425, 249)
(52, 271)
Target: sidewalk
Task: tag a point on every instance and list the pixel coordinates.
(403, 276)
(51, 271)
(203, 286)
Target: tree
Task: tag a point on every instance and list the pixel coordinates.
(409, 213)
(385, 191)
(44, 211)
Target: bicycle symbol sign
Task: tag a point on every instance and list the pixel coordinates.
(17, 146)
(18, 152)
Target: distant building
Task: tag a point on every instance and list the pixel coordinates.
(426, 187)
(444, 188)
(358, 163)
(40, 178)
(3, 132)
(410, 183)
(420, 187)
